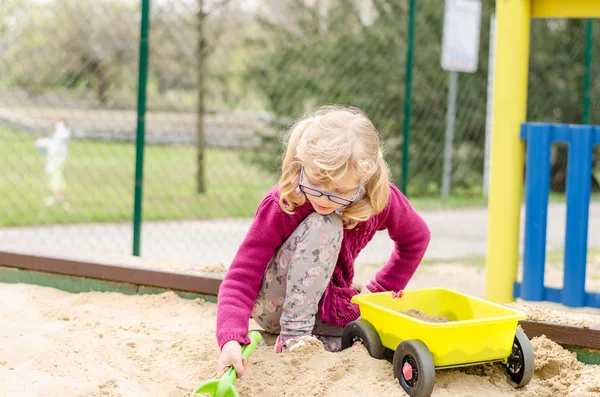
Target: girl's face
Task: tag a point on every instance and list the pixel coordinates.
(346, 187)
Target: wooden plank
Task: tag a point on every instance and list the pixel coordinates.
(564, 334)
(80, 284)
(203, 285)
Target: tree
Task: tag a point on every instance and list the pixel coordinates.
(557, 61)
(203, 51)
(204, 67)
(363, 65)
(63, 43)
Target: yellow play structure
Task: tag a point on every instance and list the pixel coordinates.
(510, 107)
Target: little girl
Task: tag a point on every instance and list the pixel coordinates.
(295, 266)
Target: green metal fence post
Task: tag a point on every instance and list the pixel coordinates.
(587, 82)
(408, 96)
(141, 125)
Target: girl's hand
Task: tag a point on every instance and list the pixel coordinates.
(231, 355)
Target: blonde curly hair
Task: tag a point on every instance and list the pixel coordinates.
(336, 139)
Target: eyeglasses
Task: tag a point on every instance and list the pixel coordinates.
(311, 191)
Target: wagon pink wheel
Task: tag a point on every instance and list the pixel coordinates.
(520, 364)
(361, 331)
(414, 368)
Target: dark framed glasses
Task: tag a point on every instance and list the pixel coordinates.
(311, 191)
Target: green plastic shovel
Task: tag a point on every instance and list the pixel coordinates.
(225, 386)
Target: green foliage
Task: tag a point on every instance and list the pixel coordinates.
(91, 48)
(83, 53)
(313, 61)
(556, 83)
(557, 67)
(63, 44)
(100, 183)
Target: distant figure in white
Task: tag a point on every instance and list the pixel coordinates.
(55, 148)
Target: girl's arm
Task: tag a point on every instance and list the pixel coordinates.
(242, 282)
(411, 237)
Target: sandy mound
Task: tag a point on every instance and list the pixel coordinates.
(53, 343)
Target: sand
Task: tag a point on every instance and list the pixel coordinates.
(546, 312)
(418, 314)
(165, 265)
(53, 343)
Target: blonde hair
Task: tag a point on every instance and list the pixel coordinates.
(336, 139)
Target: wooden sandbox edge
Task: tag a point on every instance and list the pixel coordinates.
(76, 275)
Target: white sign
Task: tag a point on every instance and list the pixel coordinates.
(460, 44)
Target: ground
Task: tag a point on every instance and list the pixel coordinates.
(54, 343)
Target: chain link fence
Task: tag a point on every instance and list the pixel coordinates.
(259, 64)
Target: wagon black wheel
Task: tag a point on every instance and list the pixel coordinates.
(361, 331)
(520, 364)
(414, 368)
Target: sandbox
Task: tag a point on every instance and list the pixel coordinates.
(91, 344)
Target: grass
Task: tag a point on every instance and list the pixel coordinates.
(100, 179)
(100, 183)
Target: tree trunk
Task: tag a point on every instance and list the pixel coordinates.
(201, 187)
(102, 86)
(96, 71)
(102, 81)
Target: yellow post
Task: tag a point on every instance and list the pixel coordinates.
(565, 9)
(510, 108)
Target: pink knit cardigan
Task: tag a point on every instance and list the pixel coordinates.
(271, 227)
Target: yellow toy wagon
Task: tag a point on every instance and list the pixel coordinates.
(472, 331)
